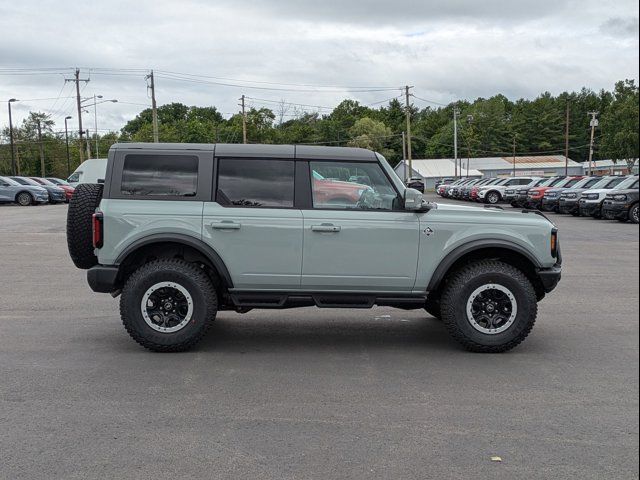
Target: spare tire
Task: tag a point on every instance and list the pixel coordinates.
(82, 206)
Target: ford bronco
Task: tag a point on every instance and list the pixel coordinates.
(182, 231)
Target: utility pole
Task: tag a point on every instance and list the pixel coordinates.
(66, 138)
(455, 137)
(41, 147)
(13, 150)
(88, 142)
(404, 158)
(514, 155)
(593, 123)
(77, 81)
(154, 107)
(566, 143)
(408, 115)
(244, 120)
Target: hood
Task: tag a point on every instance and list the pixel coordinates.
(34, 188)
(493, 215)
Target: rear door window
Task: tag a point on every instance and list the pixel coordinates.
(160, 175)
(261, 183)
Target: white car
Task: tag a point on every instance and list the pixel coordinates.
(493, 194)
(89, 171)
(590, 204)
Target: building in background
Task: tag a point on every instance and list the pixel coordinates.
(539, 165)
(609, 167)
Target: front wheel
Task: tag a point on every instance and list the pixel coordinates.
(633, 214)
(489, 306)
(167, 305)
(24, 199)
(492, 198)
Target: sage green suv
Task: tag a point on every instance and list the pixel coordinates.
(182, 231)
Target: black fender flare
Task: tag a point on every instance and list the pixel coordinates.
(462, 250)
(186, 240)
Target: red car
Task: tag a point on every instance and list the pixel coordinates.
(536, 194)
(68, 189)
(327, 191)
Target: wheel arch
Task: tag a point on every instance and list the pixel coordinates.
(508, 252)
(174, 245)
(21, 192)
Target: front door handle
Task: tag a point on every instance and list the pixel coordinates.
(225, 225)
(326, 228)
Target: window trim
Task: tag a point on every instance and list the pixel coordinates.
(373, 162)
(216, 181)
(203, 191)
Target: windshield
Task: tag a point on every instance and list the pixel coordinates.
(57, 181)
(586, 182)
(571, 183)
(26, 181)
(631, 182)
(9, 181)
(42, 181)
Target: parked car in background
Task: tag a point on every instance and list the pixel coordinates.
(24, 195)
(63, 184)
(591, 201)
(473, 194)
(442, 181)
(56, 194)
(511, 193)
(493, 194)
(536, 194)
(443, 189)
(569, 200)
(454, 191)
(90, 171)
(465, 191)
(416, 184)
(551, 198)
(622, 204)
(67, 189)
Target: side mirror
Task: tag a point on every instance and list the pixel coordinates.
(414, 201)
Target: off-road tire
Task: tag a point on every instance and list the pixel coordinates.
(82, 206)
(24, 199)
(633, 214)
(460, 287)
(194, 279)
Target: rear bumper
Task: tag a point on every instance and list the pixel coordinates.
(102, 279)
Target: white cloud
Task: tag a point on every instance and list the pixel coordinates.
(448, 50)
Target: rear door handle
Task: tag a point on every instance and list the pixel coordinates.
(325, 228)
(225, 225)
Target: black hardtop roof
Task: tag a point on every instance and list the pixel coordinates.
(308, 152)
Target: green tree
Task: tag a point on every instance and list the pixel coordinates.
(620, 125)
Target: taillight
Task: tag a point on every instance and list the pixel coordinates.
(554, 243)
(98, 234)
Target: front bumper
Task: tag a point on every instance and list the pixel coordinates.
(568, 205)
(534, 203)
(550, 204)
(550, 277)
(103, 279)
(588, 209)
(615, 210)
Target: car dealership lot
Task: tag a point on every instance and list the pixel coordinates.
(312, 393)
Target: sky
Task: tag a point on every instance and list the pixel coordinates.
(312, 53)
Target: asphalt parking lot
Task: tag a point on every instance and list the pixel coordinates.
(312, 393)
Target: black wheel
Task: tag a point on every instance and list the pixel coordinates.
(432, 306)
(633, 214)
(489, 306)
(492, 198)
(575, 213)
(167, 305)
(24, 199)
(82, 206)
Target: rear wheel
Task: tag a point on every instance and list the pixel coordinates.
(167, 305)
(634, 213)
(489, 306)
(24, 199)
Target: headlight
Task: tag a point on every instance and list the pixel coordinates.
(620, 198)
(591, 196)
(570, 195)
(551, 195)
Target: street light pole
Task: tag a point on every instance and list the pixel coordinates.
(66, 138)
(13, 153)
